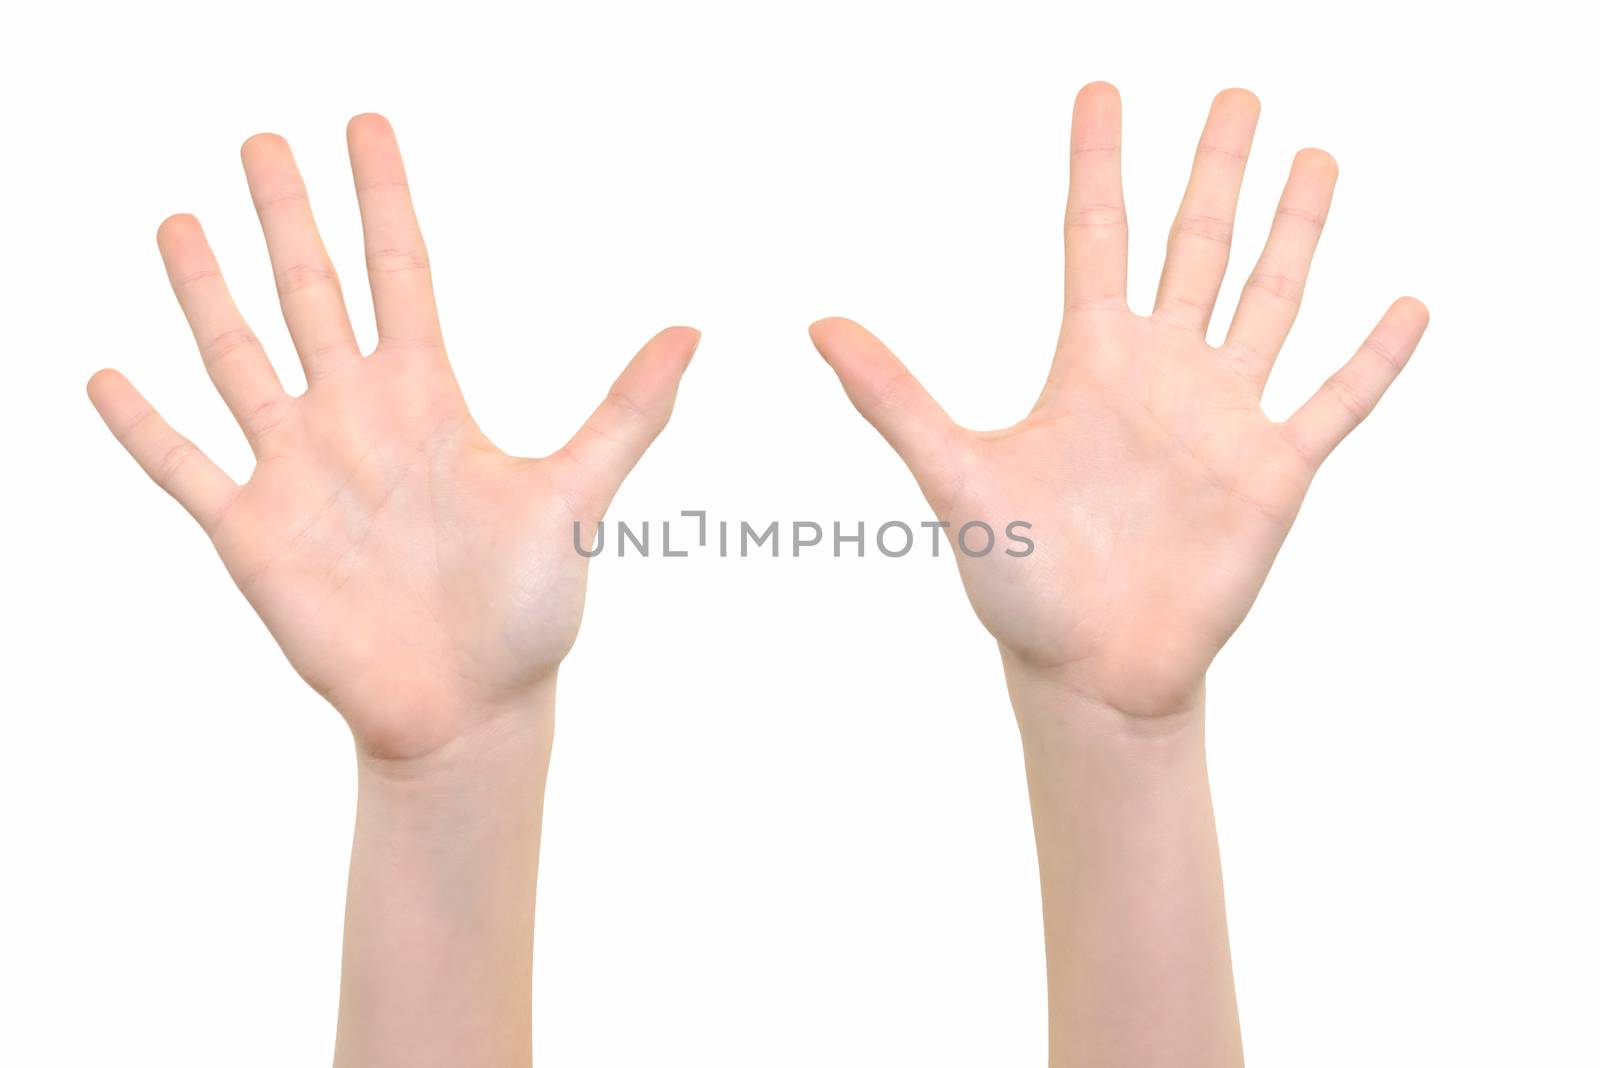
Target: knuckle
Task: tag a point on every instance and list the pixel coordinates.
(630, 408)
(164, 472)
(1181, 312)
(1222, 151)
(129, 432)
(263, 418)
(1313, 219)
(1281, 286)
(894, 392)
(1111, 303)
(1349, 396)
(382, 185)
(396, 260)
(1385, 353)
(220, 348)
(284, 198)
(298, 276)
(1097, 217)
(191, 279)
(419, 344)
(1213, 228)
(1096, 148)
(330, 354)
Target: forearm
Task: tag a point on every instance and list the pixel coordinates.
(438, 940)
(1136, 938)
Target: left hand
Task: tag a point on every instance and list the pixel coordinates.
(1157, 489)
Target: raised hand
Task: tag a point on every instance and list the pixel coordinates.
(415, 575)
(1158, 494)
(1157, 489)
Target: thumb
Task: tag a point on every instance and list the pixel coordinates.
(883, 391)
(613, 439)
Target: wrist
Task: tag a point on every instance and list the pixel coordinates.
(1062, 698)
(1067, 729)
(502, 762)
(481, 790)
(488, 742)
(471, 807)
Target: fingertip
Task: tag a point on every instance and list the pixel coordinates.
(822, 333)
(827, 330)
(175, 227)
(111, 394)
(685, 339)
(366, 125)
(1097, 118)
(102, 380)
(1238, 99)
(179, 221)
(260, 143)
(1412, 308)
(1317, 161)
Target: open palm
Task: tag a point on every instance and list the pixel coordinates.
(414, 574)
(1157, 490)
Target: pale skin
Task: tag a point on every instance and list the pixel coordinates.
(1159, 494)
(416, 576)
(424, 581)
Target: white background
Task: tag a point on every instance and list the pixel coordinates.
(787, 822)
